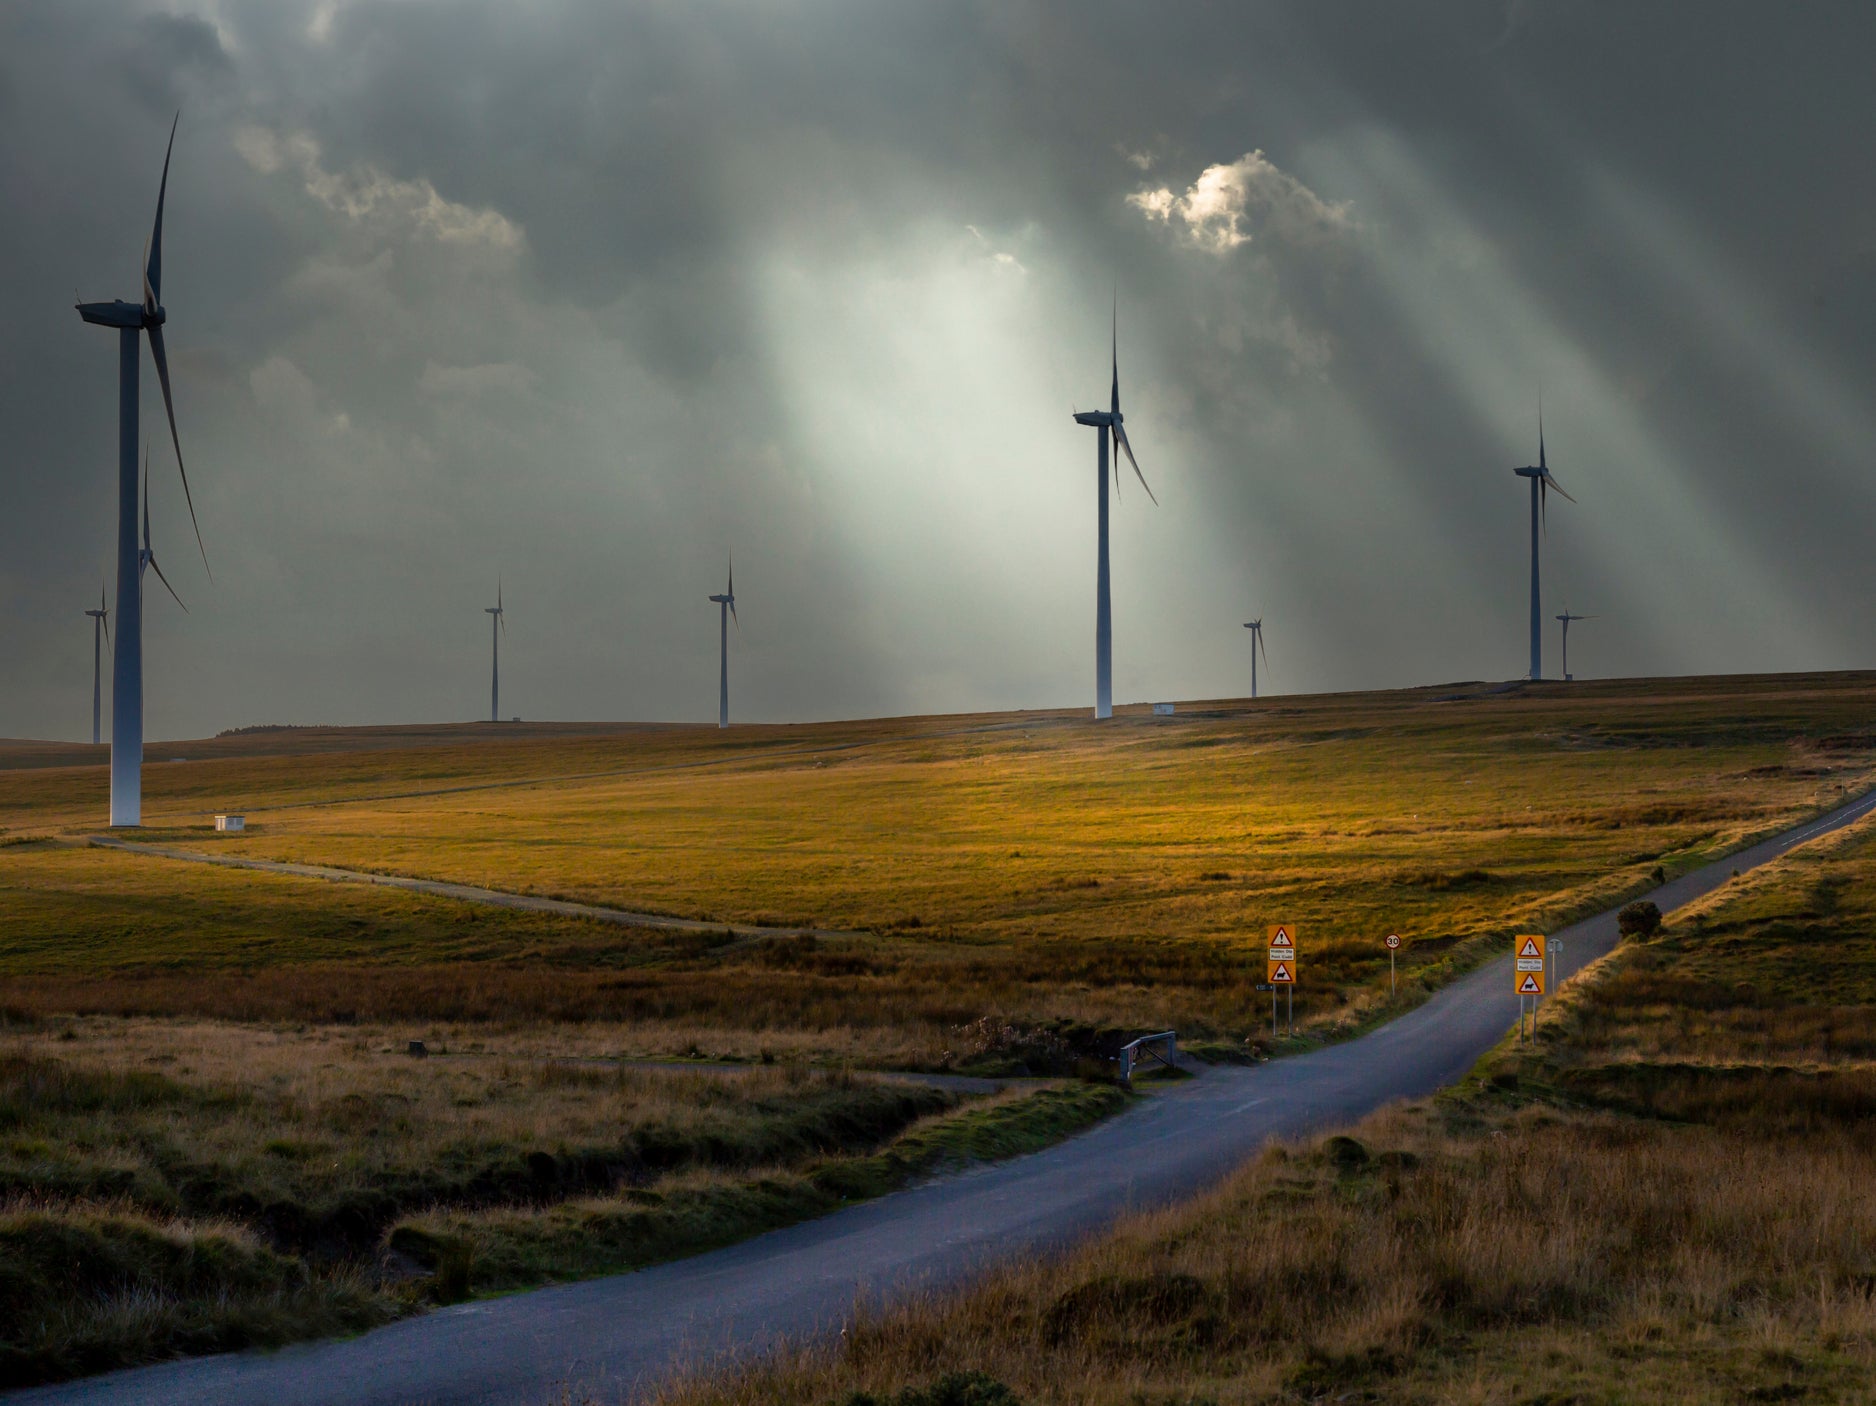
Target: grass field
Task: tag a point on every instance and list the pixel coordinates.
(1029, 867)
(188, 1186)
(1664, 1199)
(209, 1134)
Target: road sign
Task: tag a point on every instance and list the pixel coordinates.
(1280, 972)
(1283, 943)
(1530, 953)
(1393, 941)
(1531, 983)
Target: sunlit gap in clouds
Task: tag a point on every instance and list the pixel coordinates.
(918, 393)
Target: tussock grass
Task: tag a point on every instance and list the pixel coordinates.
(1666, 1198)
(174, 1187)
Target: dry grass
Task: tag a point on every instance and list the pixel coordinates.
(1032, 867)
(1661, 1201)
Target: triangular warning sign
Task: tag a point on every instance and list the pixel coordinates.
(1527, 986)
(1281, 972)
(1530, 948)
(1281, 938)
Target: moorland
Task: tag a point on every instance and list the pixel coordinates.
(212, 1132)
(1663, 1197)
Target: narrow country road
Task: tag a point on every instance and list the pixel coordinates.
(610, 1337)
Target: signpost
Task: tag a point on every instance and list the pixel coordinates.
(1528, 972)
(1280, 970)
(1393, 946)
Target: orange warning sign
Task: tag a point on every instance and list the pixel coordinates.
(1283, 944)
(1282, 972)
(1530, 983)
(1530, 953)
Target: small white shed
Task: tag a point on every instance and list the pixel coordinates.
(231, 822)
(1162, 710)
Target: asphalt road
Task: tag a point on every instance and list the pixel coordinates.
(609, 1337)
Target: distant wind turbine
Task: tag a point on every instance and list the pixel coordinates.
(1109, 424)
(1567, 617)
(1256, 627)
(1541, 484)
(498, 626)
(132, 321)
(100, 636)
(726, 611)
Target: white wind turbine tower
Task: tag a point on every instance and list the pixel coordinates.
(100, 636)
(1567, 617)
(1541, 485)
(1256, 627)
(498, 626)
(726, 611)
(133, 322)
(1108, 424)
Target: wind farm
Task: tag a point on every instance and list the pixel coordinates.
(915, 1039)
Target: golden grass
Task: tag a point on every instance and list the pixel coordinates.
(1030, 867)
(1661, 1200)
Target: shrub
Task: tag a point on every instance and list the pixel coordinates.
(1640, 919)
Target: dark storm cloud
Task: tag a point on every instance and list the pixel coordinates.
(587, 295)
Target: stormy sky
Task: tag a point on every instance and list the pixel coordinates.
(585, 296)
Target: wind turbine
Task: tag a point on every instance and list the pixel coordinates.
(498, 627)
(726, 610)
(100, 636)
(1108, 424)
(132, 321)
(1541, 484)
(1256, 627)
(1567, 617)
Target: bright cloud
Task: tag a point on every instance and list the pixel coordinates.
(1230, 203)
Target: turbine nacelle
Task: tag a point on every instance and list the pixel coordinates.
(118, 313)
(1099, 419)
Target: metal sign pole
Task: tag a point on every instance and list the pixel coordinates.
(1390, 973)
(1273, 1012)
(1289, 1008)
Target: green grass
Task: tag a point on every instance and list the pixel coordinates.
(518, 1246)
(170, 1187)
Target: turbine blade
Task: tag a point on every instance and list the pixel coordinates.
(1543, 503)
(1115, 406)
(153, 255)
(1114, 434)
(731, 592)
(146, 495)
(151, 558)
(1260, 647)
(169, 405)
(1550, 482)
(1120, 436)
(731, 603)
(1540, 427)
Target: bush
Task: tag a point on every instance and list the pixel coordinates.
(1641, 919)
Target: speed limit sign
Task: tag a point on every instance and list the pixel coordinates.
(1393, 941)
